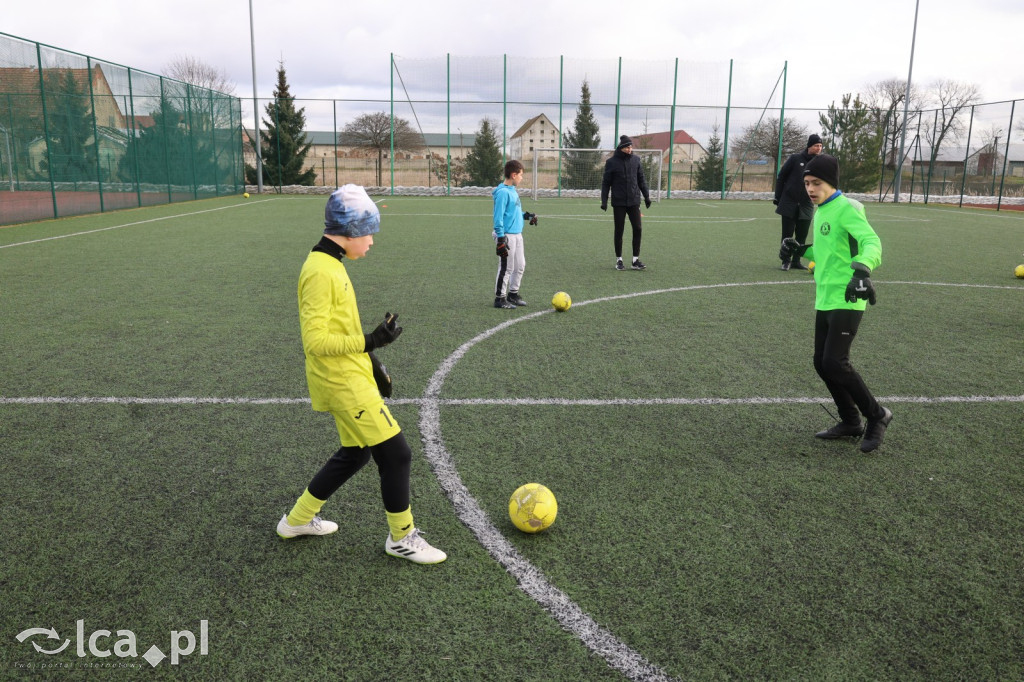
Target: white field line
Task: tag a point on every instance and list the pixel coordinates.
(502, 402)
(140, 222)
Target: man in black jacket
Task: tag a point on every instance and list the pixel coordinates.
(624, 176)
(791, 200)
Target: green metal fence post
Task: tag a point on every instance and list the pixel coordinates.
(618, 100)
(672, 128)
(504, 108)
(561, 131)
(1006, 156)
(165, 136)
(392, 155)
(334, 109)
(967, 155)
(782, 117)
(95, 131)
(725, 143)
(46, 130)
(448, 131)
(133, 141)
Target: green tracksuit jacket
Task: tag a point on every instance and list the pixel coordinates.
(842, 235)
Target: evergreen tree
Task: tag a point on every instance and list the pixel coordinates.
(483, 167)
(283, 142)
(709, 168)
(582, 169)
(162, 152)
(72, 157)
(853, 135)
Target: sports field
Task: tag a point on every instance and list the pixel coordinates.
(154, 426)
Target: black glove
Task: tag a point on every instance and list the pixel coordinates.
(532, 217)
(381, 376)
(860, 285)
(502, 248)
(604, 206)
(788, 248)
(775, 201)
(386, 332)
(647, 203)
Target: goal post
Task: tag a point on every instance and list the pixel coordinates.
(571, 172)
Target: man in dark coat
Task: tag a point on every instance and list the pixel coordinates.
(791, 199)
(624, 176)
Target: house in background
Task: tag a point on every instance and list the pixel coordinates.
(984, 161)
(325, 145)
(685, 149)
(537, 133)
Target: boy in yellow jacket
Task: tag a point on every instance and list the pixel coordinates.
(340, 378)
(845, 251)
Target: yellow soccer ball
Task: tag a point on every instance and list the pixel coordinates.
(245, 195)
(810, 267)
(532, 508)
(561, 301)
(1019, 271)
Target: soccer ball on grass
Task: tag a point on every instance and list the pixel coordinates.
(1019, 271)
(245, 195)
(561, 301)
(532, 508)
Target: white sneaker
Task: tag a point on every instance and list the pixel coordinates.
(414, 548)
(315, 527)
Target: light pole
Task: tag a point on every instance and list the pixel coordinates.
(906, 107)
(255, 107)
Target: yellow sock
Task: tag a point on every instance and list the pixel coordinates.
(400, 523)
(304, 510)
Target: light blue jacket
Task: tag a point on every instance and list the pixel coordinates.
(508, 210)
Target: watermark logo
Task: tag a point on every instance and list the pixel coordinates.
(123, 644)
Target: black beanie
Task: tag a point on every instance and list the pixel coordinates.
(624, 141)
(812, 140)
(824, 167)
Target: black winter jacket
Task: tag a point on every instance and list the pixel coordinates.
(790, 194)
(624, 176)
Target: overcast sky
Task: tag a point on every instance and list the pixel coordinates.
(340, 50)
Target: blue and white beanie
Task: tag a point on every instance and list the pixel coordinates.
(350, 212)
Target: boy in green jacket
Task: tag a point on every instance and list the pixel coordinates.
(845, 251)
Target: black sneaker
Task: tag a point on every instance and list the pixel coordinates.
(619, 265)
(785, 265)
(841, 430)
(502, 302)
(515, 298)
(797, 265)
(876, 431)
(637, 265)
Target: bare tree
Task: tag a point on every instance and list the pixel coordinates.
(190, 70)
(886, 98)
(210, 100)
(950, 99)
(762, 141)
(372, 132)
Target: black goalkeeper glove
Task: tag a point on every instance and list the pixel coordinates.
(502, 248)
(860, 285)
(791, 249)
(647, 203)
(604, 206)
(532, 217)
(386, 332)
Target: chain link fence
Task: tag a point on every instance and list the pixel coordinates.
(80, 135)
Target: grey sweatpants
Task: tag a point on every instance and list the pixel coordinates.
(510, 267)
